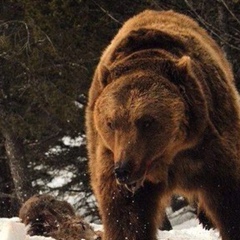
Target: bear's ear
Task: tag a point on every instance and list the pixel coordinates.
(188, 68)
(103, 75)
(190, 81)
(184, 63)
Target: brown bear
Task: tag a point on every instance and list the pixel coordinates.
(46, 216)
(42, 213)
(163, 117)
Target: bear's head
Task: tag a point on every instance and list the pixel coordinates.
(142, 118)
(43, 213)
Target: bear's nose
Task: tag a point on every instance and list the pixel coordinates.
(122, 172)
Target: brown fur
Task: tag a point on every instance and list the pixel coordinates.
(163, 105)
(75, 228)
(46, 216)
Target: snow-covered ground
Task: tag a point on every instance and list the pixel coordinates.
(13, 229)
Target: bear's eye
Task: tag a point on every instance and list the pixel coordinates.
(111, 125)
(145, 122)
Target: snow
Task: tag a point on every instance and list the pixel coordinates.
(73, 142)
(187, 231)
(13, 229)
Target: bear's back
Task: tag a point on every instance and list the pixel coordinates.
(198, 44)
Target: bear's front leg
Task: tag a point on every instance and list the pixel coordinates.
(129, 216)
(222, 203)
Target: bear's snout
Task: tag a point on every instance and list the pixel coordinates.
(122, 172)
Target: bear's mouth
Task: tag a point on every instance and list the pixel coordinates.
(133, 187)
(138, 182)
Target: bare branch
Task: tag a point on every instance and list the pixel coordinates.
(6, 195)
(105, 11)
(212, 29)
(26, 45)
(229, 10)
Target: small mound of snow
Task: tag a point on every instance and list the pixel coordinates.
(189, 230)
(13, 229)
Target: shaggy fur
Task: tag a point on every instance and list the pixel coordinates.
(163, 118)
(46, 216)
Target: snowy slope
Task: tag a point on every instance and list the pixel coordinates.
(12, 229)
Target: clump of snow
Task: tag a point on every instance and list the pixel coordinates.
(181, 216)
(73, 142)
(13, 229)
(62, 177)
(189, 230)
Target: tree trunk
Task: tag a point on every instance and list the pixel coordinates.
(18, 165)
(9, 204)
(17, 162)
